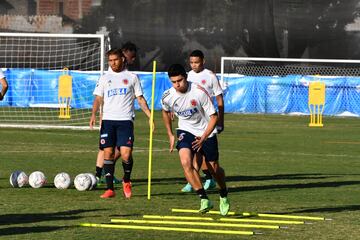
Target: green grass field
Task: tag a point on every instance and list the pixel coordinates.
(274, 164)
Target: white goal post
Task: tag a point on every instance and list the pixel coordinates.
(51, 78)
(280, 85)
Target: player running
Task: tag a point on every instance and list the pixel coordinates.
(195, 133)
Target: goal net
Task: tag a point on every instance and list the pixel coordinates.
(51, 78)
(280, 85)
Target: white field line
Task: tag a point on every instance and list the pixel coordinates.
(70, 151)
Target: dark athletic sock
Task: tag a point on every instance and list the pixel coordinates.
(127, 166)
(109, 168)
(202, 194)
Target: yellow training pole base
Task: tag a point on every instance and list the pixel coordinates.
(315, 125)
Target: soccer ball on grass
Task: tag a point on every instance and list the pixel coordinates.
(37, 179)
(62, 180)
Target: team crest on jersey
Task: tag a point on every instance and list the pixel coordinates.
(203, 81)
(126, 81)
(193, 102)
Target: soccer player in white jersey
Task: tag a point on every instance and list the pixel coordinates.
(4, 85)
(208, 80)
(117, 91)
(129, 50)
(195, 133)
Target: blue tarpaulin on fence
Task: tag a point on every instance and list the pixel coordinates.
(243, 94)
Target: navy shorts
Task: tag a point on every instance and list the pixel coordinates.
(209, 148)
(116, 134)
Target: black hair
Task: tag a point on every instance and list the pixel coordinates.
(129, 46)
(197, 53)
(176, 70)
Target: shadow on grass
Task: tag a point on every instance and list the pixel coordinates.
(300, 176)
(293, 186)
(8, 219)
(329, 209)
(26, 230)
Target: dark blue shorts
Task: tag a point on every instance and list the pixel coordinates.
(209, 148)
(116, 134)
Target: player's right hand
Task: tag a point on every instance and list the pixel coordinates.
(92, 122)
(172, 143)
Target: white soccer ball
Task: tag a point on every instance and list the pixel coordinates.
(18, 179)
(82, 182)
(37, 179)
(62, 180)
(93, 181)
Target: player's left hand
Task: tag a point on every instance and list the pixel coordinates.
(152, 124)
(219, 129)
(197, 144)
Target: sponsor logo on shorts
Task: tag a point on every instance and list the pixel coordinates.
(104, 135)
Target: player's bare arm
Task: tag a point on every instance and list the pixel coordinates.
(220, 122)
(145, 108)
(168, 125)
(197, 144)
(4, 88)
(96, 106)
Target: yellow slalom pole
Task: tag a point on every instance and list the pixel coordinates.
(217, 224)
(260, 221)
(139, 227)
(197, 211)
(247, 214)
(151, 128)
(283, 216)
(178, 217)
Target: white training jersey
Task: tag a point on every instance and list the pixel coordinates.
(1, 74)
(208, 80)
(193, 108)
(119, 91)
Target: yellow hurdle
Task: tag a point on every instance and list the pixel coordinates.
(65, 94)
(316, 103)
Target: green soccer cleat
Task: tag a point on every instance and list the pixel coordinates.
(205, 205)
(187, 188)
(224, 206)
(209, 184)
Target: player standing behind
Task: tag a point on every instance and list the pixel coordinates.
(117, 91)
(129, 50)
(195, 133)
(4, 85)
(208, 80)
